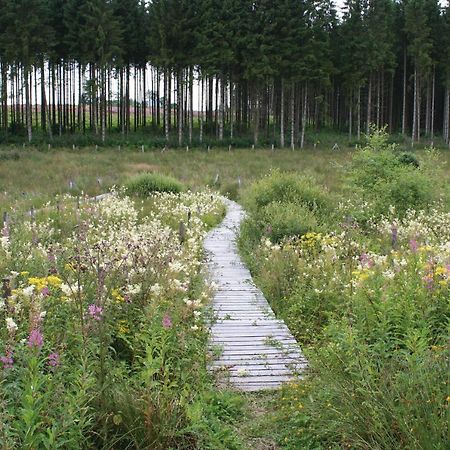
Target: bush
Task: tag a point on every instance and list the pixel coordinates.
(280, 220)
(146, 184)
(386, 178)
(287, 188)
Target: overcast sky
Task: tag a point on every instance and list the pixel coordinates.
(340, 3)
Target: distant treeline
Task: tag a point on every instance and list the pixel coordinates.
(219, 69)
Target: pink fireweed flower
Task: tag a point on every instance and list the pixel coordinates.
(53, 360)
(7, 360)
(167, 321)
(96, 312)
(35, 339)
(45, 292)
(413, 245)
(365, 260)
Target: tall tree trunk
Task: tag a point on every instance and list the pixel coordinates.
(428, 108)
(350, 116)
(433, 88)
(27, 104)
(256, 116)
(293, 116)
(167, 104)
(414, 126)
(305, 102)
(180, 107)
(222, 107)
(404, 95)
(282, 107)
(446, 122)
(358, 114)
(191, 103)
(4, 95)
(369, 104)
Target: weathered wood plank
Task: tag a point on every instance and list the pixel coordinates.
(255, 349)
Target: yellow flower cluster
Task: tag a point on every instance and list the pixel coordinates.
(123, 327)
(443, 275)
(362, 274)
(115, 293)
(40, 283)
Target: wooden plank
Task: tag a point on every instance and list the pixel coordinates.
(251, 340)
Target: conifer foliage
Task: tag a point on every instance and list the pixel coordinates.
(197, 70)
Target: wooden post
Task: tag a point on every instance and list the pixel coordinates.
(6, 287)
(182, 232)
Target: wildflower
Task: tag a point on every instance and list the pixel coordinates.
(28, 291)
(7, 360)
(123, 328)
(53, 360)
(167, 321)
(10, 325)
(413, 245)
(53, 280)
(35, 339)
(45, 291)
(96, 312)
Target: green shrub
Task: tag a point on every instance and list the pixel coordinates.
(287, 188)
(386, 178)
(280, 220)
(146, 184)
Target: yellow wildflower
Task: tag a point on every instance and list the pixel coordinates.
(117, 296)
(53, 280)
(123, 327)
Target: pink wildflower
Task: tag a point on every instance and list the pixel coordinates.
(167, 321)
(7, 360)
(53, 360)
(413, 245)
(45, 291)
(35, 339)
(96, 312)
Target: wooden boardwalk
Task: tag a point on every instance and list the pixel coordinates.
(252, 349)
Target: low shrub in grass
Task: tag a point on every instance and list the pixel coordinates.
(387, 178)
(146, 184)
(287, 188)
(283, 205)
(281, 220)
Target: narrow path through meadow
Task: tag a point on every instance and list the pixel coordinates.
(255, 351)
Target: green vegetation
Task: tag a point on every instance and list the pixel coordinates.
(146, 184)
(366, 293)
(239, 72)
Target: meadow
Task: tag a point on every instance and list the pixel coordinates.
(106, 305)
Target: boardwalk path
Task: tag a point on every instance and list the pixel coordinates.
(255, 350)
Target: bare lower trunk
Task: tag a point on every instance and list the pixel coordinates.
(167, 104)
(222, 108)
(305, 102)
(404, 95)
(46, 113)
(446, 115)
(414, 126)
(358, 107)
(232, 109)
(282, 115)
(350, 117)
(191, 104)
(180, 108)
(433, 89)
(256, 118)
(369, 105)
(293, 116)
(28, 105)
